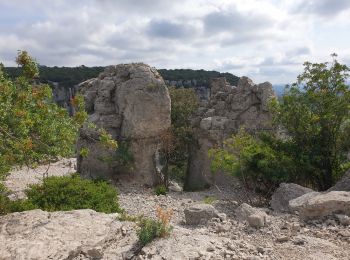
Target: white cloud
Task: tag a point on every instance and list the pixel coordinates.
(264, 39)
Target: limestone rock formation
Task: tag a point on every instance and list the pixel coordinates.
(286, 192)
(42, 235)
(132, 103)
(343, 184)
(228, 108)
(322, 204)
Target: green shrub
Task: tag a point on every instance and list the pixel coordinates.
(209, 200)
(260, 163)
(4, 201)
(160, 190)
(151, 229)
(69, 193)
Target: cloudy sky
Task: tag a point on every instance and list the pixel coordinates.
(268, 40)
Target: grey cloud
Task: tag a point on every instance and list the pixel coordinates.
(326, 8)
(136, 6)
(299, 51)
(235, 22)
(169, 29)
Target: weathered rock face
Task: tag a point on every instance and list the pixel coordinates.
(78, 234)
(313, 205)
(132, 103)
(343, 184)
(228, 109)
(286, 192)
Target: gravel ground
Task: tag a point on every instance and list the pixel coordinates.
(285, 236)
(19, 179)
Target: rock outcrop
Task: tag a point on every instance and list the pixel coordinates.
(284, 193)
(132, 103)
(343, 184)
(228, 109)
(78, 234)
(314, 205)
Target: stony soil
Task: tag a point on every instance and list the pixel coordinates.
(285, 236)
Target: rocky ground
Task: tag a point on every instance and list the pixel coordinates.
(85, 234)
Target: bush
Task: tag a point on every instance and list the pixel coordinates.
(4, 201)
(151, 229)
(160, 190)
(69, 193)
(315, 114)
(259, 163)
(33, 129)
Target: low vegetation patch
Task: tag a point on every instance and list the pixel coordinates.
(151, 229)
(68, 193)
(160, 190)
(209, 200)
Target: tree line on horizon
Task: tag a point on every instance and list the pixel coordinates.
(68, 77)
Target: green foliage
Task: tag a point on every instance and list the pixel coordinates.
(184, 102)
(201, 76)
(160, 190)
(66, 76)
(32, 128)
(123, 156)
(126, 217)
(209, 200)
(151, 229)
(315, 113)
(69, 193)
(258, 162)
(4, 201)
(311, 148)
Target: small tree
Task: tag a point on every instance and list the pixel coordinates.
(315, 113)
(33, 128)
(183, 104)
(314, 116)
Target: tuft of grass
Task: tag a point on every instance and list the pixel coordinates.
(151, 229)
(126, 217)
(209, 200)
(160, 190)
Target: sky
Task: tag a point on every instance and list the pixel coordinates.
(266, 40)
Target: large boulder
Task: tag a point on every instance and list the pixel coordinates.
(284, 193)
(200, 214)
(132, 103)
(228, 108)
(343, 184)
(313, 205)
(78, 234)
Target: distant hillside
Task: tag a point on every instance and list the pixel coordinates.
(198, 75)
(66, 77)
(69, 76)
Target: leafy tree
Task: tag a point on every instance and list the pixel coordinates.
(315, 113)
(183, 103)
(32, 128)
(312, 144)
